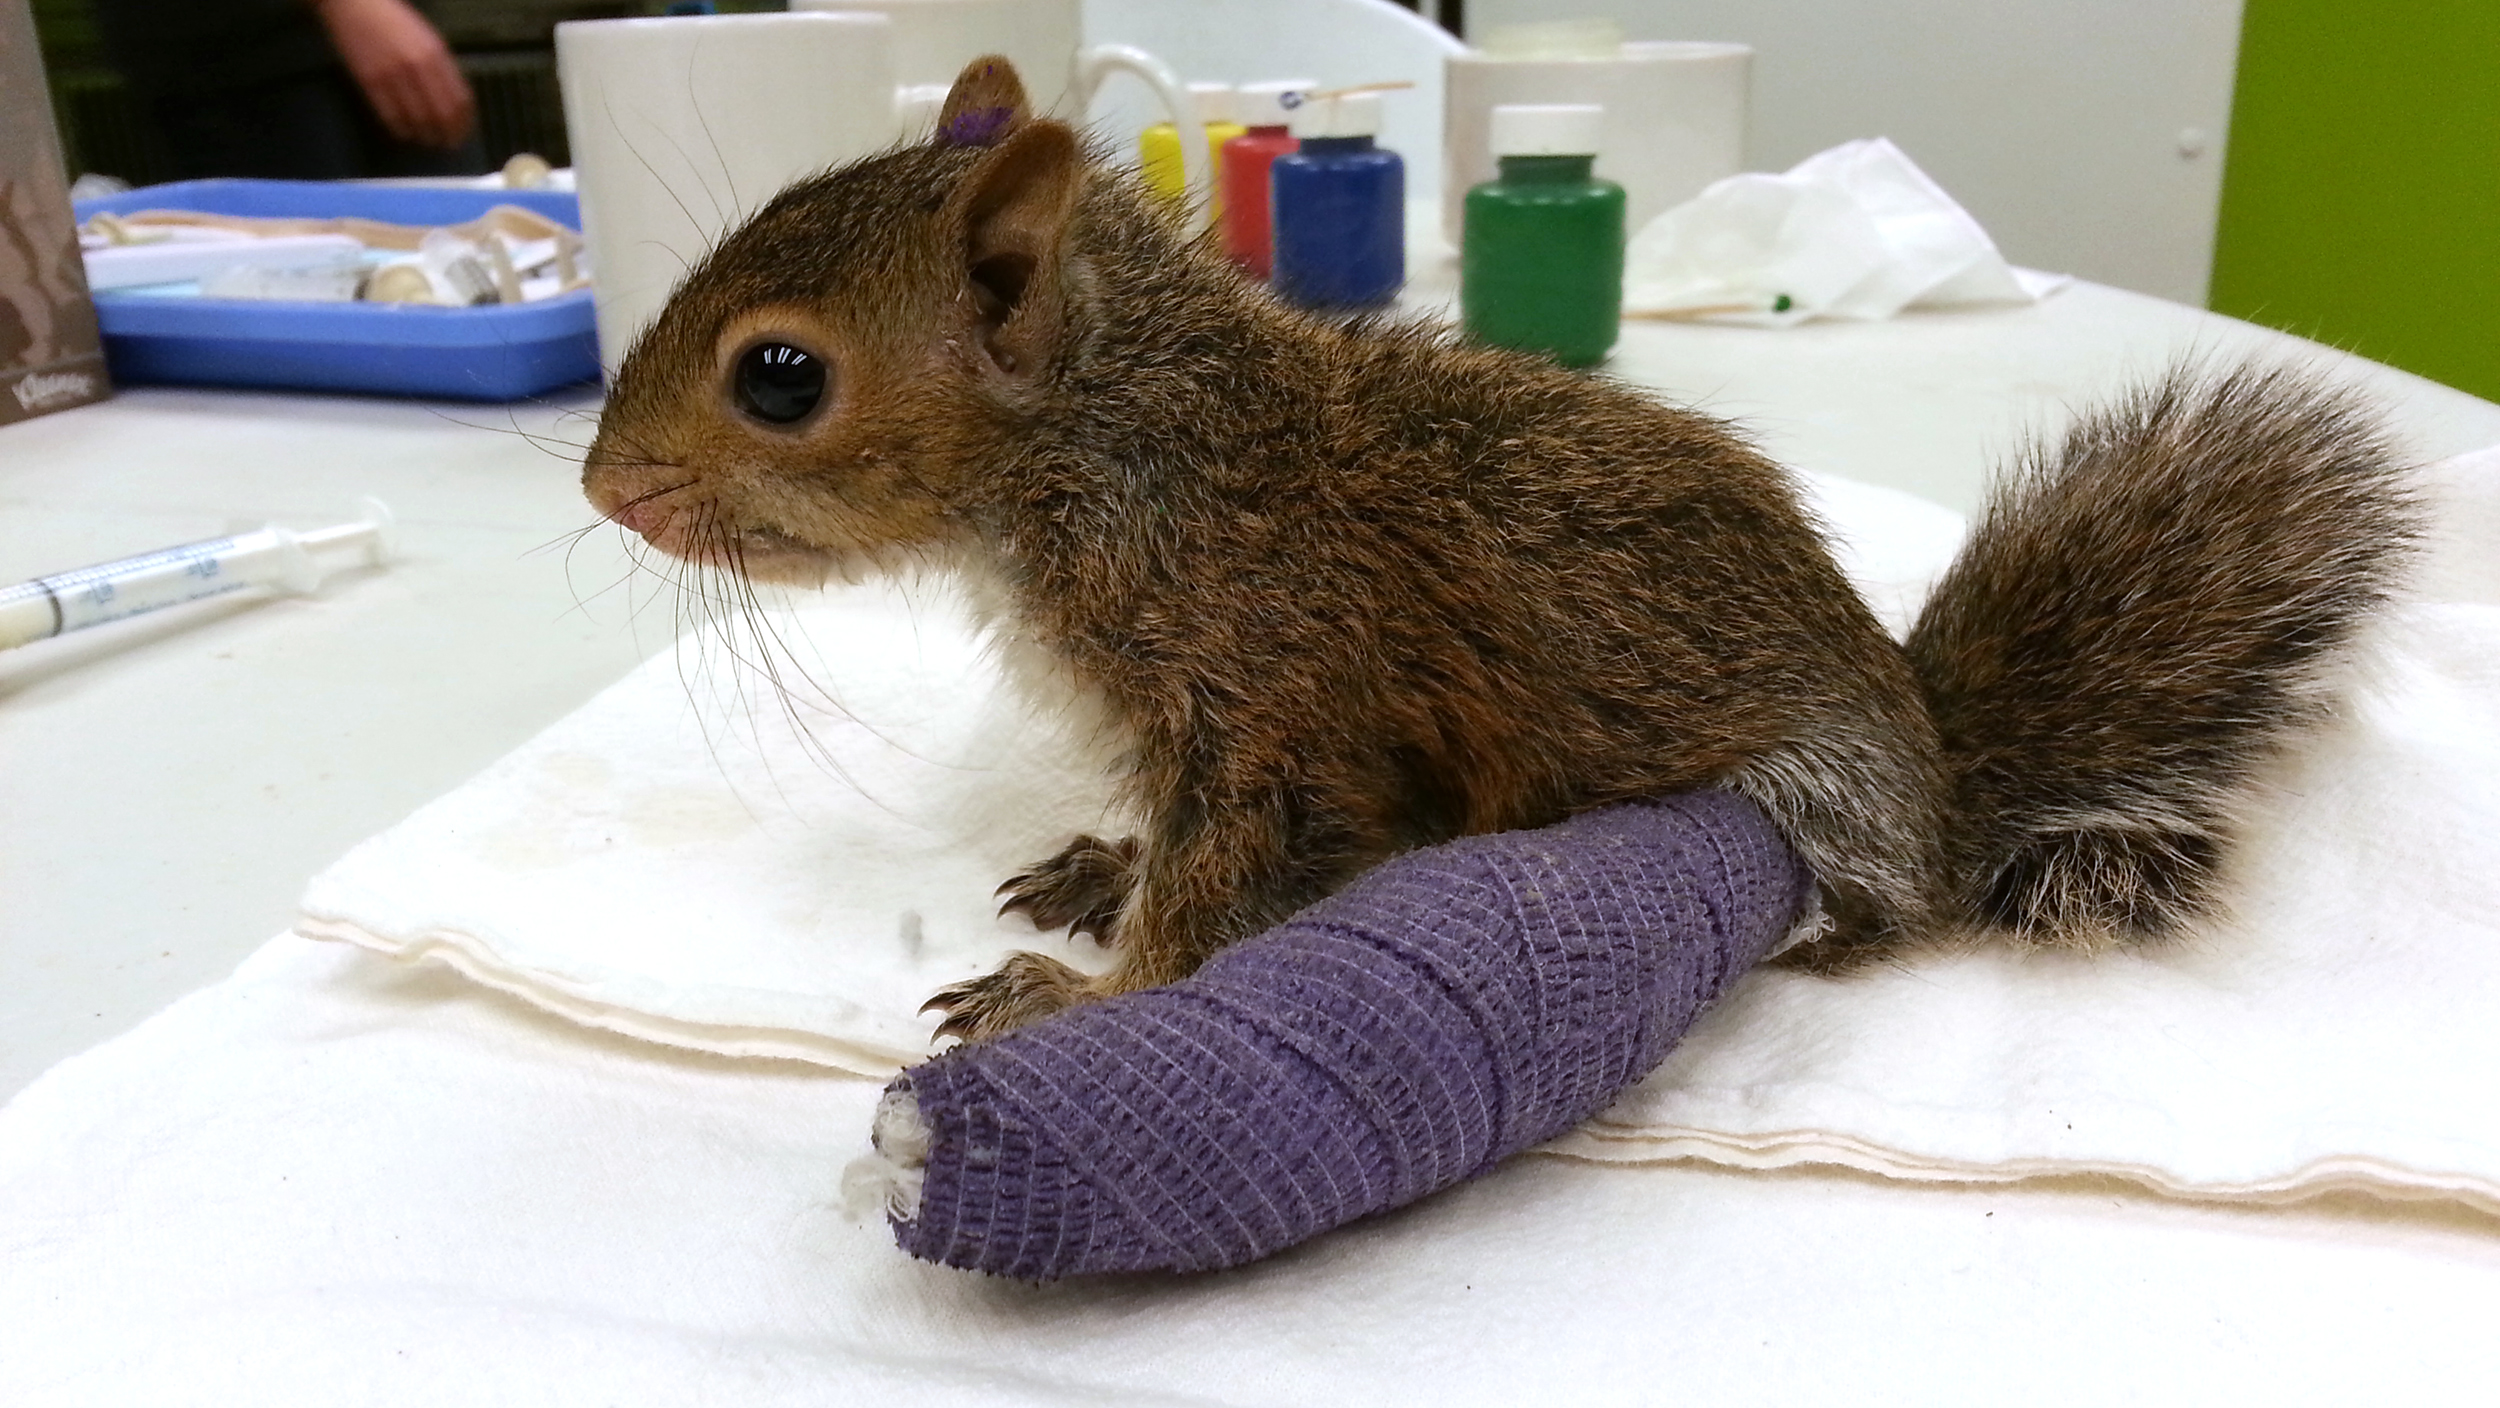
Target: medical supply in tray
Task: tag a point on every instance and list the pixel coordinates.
(265, 557)
(508, 255)
(1541, 260)
(1339, 206)
(470, 294)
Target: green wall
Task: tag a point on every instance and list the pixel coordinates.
(2361, 199)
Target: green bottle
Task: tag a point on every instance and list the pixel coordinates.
(1541, 259)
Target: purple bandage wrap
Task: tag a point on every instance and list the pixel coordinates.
(1445, 1011)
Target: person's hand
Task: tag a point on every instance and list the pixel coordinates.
(404, 68)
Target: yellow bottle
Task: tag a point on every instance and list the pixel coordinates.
(1159, 146)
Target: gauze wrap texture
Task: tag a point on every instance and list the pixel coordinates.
(1447, 1010)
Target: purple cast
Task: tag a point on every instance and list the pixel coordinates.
(1447, 1010)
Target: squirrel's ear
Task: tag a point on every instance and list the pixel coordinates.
(1014, 209)
(985, 106)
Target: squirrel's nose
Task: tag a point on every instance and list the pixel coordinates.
(641, 515)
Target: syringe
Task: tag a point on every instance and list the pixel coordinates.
(270, 557)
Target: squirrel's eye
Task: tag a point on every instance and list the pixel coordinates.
(779, 383)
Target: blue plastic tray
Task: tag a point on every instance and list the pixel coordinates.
(495, 353)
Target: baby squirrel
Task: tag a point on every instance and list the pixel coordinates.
(1349, 589)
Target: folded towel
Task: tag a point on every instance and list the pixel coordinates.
(2337, 1029)
(772, 889)
(755, 875)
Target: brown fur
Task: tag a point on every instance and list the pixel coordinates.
(1347, 590)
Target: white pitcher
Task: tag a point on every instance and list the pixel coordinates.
(934, 39)
(682, 126)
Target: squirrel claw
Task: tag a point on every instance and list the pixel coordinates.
(1026, 988)
(1081, 889)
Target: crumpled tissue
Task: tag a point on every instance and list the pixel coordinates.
(1856, 232)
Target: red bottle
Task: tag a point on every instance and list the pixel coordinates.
(1266, 109)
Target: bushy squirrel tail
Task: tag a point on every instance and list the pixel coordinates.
(2145, 613)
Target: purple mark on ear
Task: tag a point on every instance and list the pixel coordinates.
(976, 127)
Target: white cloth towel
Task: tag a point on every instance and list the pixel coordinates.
(749, 874)
(758, 888)
(338, 1179)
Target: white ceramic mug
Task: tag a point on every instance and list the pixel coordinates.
(1675, 119)
(683, 126)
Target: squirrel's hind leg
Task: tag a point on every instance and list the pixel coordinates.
(1861, 801)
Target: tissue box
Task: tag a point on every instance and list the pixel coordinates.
(51, 356)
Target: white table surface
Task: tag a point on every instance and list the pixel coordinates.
(171, 781)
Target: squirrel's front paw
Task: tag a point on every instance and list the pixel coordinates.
(1026, 988)
(1082, 887)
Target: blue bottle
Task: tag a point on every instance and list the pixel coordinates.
(1340, 208)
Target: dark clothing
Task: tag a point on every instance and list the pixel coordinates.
(252, 88)
(313, 127)
(179, 47)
